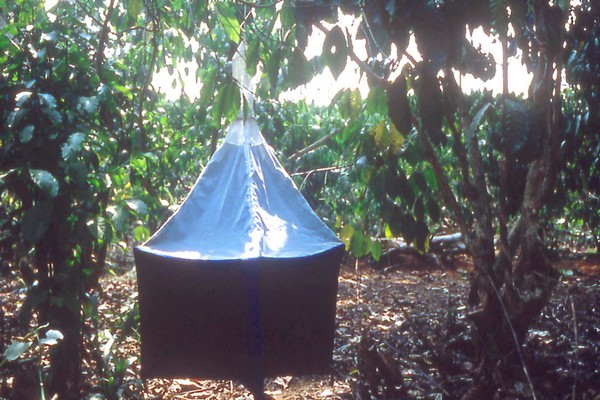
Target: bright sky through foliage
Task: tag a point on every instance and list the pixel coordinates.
(323, 87)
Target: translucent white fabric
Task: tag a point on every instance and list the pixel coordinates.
(243, 206)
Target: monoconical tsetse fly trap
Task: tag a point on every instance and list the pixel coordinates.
(241, 282)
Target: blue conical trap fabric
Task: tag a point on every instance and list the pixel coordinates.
(241, 281)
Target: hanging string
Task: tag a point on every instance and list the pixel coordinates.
(243, 79)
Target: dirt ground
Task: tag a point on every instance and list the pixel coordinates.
(402, 333)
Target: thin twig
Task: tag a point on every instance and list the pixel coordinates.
(370, 32)
(320, 142)
(322, 169)
(256, 4)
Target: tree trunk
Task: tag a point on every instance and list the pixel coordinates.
(506, 310)
(511, 291)
(63, 306)
(65, 357)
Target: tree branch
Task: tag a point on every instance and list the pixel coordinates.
(453, 91)
(104, 38)
(502, 186)
(445, 189)
(320, 142)
(474, 184)
(148, 76)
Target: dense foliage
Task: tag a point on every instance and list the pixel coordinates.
(93, 157)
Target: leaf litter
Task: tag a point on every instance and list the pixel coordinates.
(402, 333)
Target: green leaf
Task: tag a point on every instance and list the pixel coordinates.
(396, 183)
(398, 106)
(53, 116)
(208, 86)
(87, 104)
(45, 181)
(273, 66)
(121, 364)
(335, 51)
(433, 210)
(376, 101)
(379, 133)
(22, 97)
(35, 221)
(134, 8)
(124, 90)
(357, 244)
(377, 183)
(517, 126)
(89, 305)
(73, 145)
(421, 232)
(118, 217)
(299, 69)
(408, 228)
(376, 250)
(396, 139)
(346, 235)
(137, 206)
(433, 34)
(97, 228)
(16, 350)
(47, 99)
(139, 163)
(430, 106)
(419, 209)
(141, 233)
(252, 56)
(475, 122)
(227, 103)
(418, 178)
(478, 63)
(26, 133)
(227, 16)
(349, 103)
(199, 10)
(406, 191)
(52, 337)
(397, 224)
(287, 17)
(430, 178)
(35, 296)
